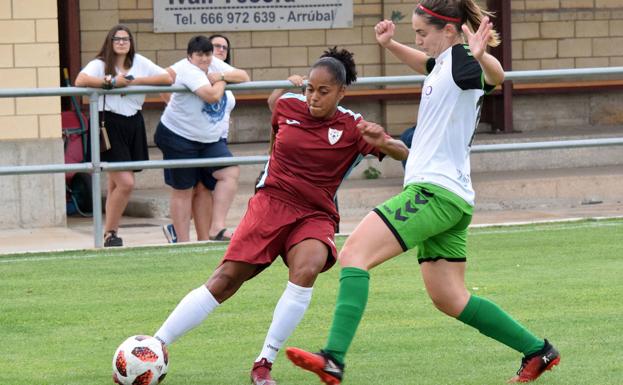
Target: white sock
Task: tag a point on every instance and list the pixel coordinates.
(288, 313)
(189, 313)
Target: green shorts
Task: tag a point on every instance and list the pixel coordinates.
(430, 218)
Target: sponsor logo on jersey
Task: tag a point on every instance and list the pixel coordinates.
(292, 122)
(334, 135)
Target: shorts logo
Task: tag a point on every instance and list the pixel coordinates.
(334, 135)
(410, 208)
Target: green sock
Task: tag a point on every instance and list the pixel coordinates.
(494, 322)
(351, 302)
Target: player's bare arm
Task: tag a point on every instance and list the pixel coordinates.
(415, 59)
(491, 67)
(374, 134)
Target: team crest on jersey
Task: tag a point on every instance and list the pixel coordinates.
(334, 135)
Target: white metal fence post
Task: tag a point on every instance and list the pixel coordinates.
(96, 177)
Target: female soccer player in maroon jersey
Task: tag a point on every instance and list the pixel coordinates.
(314, 145)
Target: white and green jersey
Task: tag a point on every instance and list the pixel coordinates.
(447, 118)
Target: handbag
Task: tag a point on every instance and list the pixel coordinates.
(104, 139)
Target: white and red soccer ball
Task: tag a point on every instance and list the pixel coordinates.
(140, 360)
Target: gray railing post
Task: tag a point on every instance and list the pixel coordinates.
(96, 177)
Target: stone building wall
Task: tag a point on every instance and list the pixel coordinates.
(546, 34)
(30, 128)
(567, 34)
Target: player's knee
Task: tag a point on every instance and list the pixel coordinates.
(223, 285)
(305, 275)
(439, 303)
(350, 257)
(446, 305)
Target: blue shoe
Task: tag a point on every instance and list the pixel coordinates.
(169, 233)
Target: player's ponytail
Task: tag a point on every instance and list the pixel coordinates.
(457, 12)
(473, 15)
(340, 63)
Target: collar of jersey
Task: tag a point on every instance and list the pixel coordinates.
(444, 53)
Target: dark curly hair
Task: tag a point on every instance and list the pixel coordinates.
(340, 64)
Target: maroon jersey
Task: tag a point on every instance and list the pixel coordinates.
(311, 157)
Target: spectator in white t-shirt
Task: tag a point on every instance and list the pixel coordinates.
(191, 128)
(117, 65)
(217, 212)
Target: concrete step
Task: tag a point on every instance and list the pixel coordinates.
(481, 162)
(542, 189)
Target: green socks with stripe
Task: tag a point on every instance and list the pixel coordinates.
(351, 302)
(494, 322)
(480, 313)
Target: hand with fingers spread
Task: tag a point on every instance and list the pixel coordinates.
(478, 40)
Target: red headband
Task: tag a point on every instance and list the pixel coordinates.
(435, 14)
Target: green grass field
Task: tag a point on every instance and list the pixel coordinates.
(62, 315)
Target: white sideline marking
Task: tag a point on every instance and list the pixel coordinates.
(101, 254)
(562, 226)
(546, 221)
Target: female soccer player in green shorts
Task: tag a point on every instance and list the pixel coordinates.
(435, 208)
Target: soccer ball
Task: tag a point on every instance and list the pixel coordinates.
(140, 360)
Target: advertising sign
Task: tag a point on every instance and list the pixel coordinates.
(250, 15)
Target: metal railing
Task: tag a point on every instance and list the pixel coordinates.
(96, 167)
